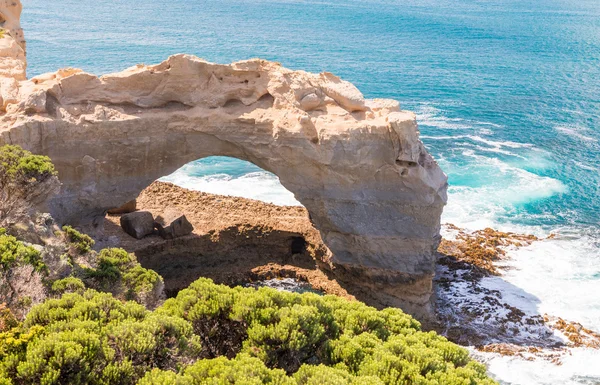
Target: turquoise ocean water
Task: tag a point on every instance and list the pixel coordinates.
(507, 94)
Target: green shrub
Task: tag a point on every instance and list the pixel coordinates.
(213, 334)
(83, 243)
(68, 285)
(241, 370)
(325, 375)
(7, 318)
(14, 253)
(18, 166)
(120, 273)
(95, 339)
(111, 265)
(287, 331)
(139, 280)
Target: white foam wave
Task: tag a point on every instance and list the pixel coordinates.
(584, 166)
(429, 115)
(262, 186)
(576, 132)
(579, 367)
(564, 273)
(494, 146)
(444, 137)
(559, 277)
(498, 144)
(476, 138)
(481, 206)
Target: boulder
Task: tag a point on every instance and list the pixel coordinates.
(173, 224)
(138, 224)
(127, 208)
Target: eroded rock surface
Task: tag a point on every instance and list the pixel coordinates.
(357, 165)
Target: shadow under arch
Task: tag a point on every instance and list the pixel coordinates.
(237, 239)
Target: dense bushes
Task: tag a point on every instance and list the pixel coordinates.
(290, 331)
(21, 167)
(212, 334)
(93, 339)
(18, 163)
(68, 285)
(118, 271)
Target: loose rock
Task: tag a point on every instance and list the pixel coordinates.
(173, 224)
(138, 224)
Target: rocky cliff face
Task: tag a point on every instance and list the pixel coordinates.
(357, 165)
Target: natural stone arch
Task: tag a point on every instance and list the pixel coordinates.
(357, 165)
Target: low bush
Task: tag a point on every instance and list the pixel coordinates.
(14, 252)
(83, 243)
(213, 334)
(26, 180)
(68, 285)
(18, 166)
(7, 318)
(139, 280)
(93, 339)
(241, 370)
(119, 271)
(295, 332)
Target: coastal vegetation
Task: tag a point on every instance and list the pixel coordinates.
(83, 243)
(21, 168)
(214, 334)
(99, 317)
(14, 253)
(25, 178)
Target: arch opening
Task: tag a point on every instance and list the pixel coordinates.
(248, 228)
(224, 175)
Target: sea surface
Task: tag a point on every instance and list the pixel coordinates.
(507, 94)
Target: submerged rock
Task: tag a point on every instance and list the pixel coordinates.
(138, 224)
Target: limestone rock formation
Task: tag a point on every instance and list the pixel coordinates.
(357, 165)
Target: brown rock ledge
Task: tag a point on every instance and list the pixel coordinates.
(235, 240)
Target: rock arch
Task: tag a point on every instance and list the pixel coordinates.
(357, 165)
